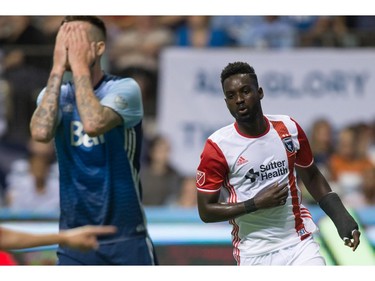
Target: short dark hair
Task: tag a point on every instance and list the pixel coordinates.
(94, 20)
(238, 67)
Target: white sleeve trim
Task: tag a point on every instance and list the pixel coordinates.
(302, 166)
(208, 190)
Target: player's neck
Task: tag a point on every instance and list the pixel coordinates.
(96, 74)
(253, 128)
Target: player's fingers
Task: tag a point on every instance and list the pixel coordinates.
(283, 191)
(354, 242)
(356, 234)
(277, 187)
(101, 230)
(94, 245)
(348, 242)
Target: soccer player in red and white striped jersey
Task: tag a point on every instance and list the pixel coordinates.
(248, 176)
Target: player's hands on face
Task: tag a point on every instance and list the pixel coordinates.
(354, 242)
(272, 196)
(81, 50)
(60, 55)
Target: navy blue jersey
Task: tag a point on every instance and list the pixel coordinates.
(99, 176)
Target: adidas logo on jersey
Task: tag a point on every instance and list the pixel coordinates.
(241, 161)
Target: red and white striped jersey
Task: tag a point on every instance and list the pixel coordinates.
(239, 166)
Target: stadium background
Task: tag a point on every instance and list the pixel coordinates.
(330, 77)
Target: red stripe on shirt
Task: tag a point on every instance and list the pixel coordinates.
(283, 132)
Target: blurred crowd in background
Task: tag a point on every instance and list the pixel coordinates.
(28, 170)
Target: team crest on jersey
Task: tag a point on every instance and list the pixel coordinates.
(288, 143)
(121, 102)
(200, 178)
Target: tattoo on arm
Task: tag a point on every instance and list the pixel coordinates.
(46, 113)
(89, 106)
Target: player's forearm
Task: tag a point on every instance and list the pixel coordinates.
(219, 212)
(11, 239)
(43, 121)
(315, 183)
(90, 110)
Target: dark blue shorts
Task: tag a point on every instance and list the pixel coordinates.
(134, 251)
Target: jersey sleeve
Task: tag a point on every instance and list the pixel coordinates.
(212, 169)
(125, 98)
(304, 156)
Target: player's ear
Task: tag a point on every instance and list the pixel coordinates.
(261, 93)
(100, 48)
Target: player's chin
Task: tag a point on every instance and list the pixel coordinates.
(244, 117)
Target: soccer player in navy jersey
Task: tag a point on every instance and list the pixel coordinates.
(96, 123)
(248, 176)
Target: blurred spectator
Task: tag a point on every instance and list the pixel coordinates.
(303, 26)
(32, 184)
(8, 151)
(23, 42)
(160, 182)
(172, 22)
(368, 187)
(328, 31)
(49, 26)
(371, 149)
(322, 142)
(147, 81)
(365, 196)
(346, 164)
(26, 69)
(364, 29)
(188, 196)
(134, 52)
(4, 106)
(239, 28)
(198, 33)
(261, 32)
(139, 45)
(115, 26)
(365, 139)
(2, 188)
(273, 32)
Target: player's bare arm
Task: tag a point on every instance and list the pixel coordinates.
(81, 238)
(211, 210)
(43, 121)
(329, 201)
(314, 181)
(83, 55)
(85, 237)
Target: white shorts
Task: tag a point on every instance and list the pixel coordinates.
(304, 253)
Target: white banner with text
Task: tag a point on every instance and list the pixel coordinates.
(306, 84)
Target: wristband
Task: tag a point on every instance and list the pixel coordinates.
(250, 206)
